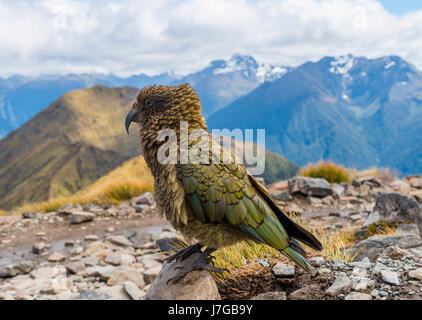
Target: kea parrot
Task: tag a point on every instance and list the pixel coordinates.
(215, 203)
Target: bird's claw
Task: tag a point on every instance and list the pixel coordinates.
(202, 262)
(184, 253)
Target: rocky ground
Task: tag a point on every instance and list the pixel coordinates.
(114, 252)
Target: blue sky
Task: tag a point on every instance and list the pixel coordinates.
(128, 37)
(403, 6)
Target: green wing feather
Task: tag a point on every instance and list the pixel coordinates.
(225, 192)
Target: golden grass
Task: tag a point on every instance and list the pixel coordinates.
(327, 170)
(2, 212)
(128, 180)
(377, 172)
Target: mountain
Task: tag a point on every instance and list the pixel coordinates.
(76, 140)
(222, 81)
(355, 111)
(218, 84)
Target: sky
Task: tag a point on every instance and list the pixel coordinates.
(130, 37)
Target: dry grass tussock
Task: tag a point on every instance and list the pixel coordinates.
(128, 180)
(327, 170)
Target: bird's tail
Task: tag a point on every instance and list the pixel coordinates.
(299, 260)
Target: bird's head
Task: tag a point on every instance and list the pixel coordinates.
(163, 107)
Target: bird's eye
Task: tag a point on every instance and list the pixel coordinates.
(148, 102)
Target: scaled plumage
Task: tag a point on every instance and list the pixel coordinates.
(217, 204)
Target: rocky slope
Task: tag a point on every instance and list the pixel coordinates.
(113, 252)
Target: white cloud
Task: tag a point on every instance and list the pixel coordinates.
(126, 37)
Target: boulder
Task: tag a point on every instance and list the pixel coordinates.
(315, 187)
(374, 246)
(81, 217)
(196, 285)
(390, 207)
(281, 195)
(416, 182)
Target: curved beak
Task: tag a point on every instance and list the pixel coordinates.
(129, 118)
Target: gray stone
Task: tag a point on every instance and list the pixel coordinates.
(315, 187)
(39, 247)
(281, 195)
(358, 296)
(145, 198)
(341, 284)
(151, 273)
(390, 277)
(375, 245)
(69, 208)
(56, 257)
(391, 207)
(170, 244)
(93, 295)
(104, 272)
(305, 293)
(139, 239)
(132, 290)
(196, 285)
(276, 295)
(284, 270)
(409, 229)
(29, 215)
(416, 274)
(81, 217)
(316, 261)
(77, 267)
(120, 240)
(124, 273)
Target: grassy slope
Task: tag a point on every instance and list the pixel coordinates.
(73, 142)
(126, 181)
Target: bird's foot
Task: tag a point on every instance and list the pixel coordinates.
(201, 262)
(184, 253)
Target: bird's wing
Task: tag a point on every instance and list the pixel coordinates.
(217, 192)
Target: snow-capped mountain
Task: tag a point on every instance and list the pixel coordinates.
(356, 111)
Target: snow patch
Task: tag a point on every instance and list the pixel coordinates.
(342, 65)
(389, 65)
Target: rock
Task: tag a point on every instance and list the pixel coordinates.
(104, 272)
(276, 295)
(374, 246)
(16, 269)
(115, 292)
(29, 215)
(373, 181)
(77, 267)
(124, 273)
(118, 259)
(278, 186)
(47, 272)
(315, 187)
(390, 277)
(138, 239)
(196, 285)
(416, 182)
(341, 284)
(39, 247)
(56, 257)
(151, 273)
(316, 261)
(94, 248)
(391, 207)
(91, 237)
(132, 290)
(358, 296)
(305, 293)
(81, 217)
(400, 186)
(145, 198)
(409, 229)
(338, 189)
(93, 295)
(417, 194)
(416, 274)
(120, 240)
(69, 208)
(281, 195)
(284, 270)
